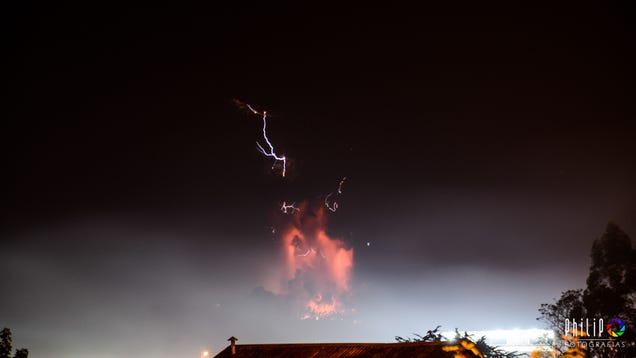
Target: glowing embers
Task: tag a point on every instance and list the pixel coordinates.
(319, 307)
(318, 267)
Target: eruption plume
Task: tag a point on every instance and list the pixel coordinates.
(318, 267)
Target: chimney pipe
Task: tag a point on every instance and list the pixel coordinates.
(233, 344)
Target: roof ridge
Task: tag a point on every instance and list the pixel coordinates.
(335, 343)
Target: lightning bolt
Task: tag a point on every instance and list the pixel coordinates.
(268, 153)
(306, 253)
(312, 251)
(285, 207)
(332, 205)
(342, 181)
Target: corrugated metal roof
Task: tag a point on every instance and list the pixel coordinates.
(337, 350)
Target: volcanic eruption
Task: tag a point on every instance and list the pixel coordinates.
(317, 267)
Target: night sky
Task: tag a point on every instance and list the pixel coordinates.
(485, 148)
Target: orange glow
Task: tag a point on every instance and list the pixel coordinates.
(318, 267)
(322, 308)
(463, 349)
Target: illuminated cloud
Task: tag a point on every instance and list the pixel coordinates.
(318, 268)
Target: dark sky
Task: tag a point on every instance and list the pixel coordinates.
(485, 148)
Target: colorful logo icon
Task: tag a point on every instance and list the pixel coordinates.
(615, 327)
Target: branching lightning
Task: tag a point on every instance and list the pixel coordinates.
(286, 207)
(268, 153)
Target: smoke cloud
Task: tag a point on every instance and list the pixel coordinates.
(317, 268)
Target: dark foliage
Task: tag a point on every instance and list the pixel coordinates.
(6, 346)
(610, 293)
(434, 335)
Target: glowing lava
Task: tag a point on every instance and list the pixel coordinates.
(318, 268)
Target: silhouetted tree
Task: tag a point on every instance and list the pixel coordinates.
(568, 306)
(487, 350)
(6, 345)
(611, 285)
(432, 335)
(610, 293)
(21, 353)
(462, 341)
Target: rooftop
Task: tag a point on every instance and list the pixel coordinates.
(334, 350)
